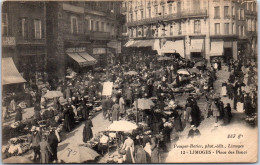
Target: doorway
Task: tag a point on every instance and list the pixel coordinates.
(228, 54)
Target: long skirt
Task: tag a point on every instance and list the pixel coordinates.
(155, 156)
(87, 134)
(240, 107)
(224, 91)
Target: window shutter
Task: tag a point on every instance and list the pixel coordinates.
(33, 29)
(20, 27)
(42, 28)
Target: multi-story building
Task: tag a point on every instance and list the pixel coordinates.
(81, 34)
(192, 28)
(23, 37)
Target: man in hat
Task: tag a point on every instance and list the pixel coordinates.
(53, 141)
(35, 142)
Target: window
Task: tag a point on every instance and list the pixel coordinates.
(24, 28)
(163, 10)
(226, 11)
(233, 28)
(226, 28)
(4, 24)
(171, 29)
(170, 9)
(233, 11)
(249, 25)
(217, 13)
(142, 14)
(92, 25)
(149, 12)
(242, 16)
(156, 10)
(131, 17)
(102, 27)
(217, 28)
(37, 29)
(242, 31)
(131, 32)
(179, 30)
(97, 26)
(253, 25)
(136, 16)
(197, 26)
(108, 27)
(74, 25)
(86, 25)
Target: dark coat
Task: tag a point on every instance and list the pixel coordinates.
(19, 115)
(53, 141)
(87, 131)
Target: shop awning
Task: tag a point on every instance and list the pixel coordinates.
(144, 43)
(228, 44)
(173, 47)
(89, 58)
(129, 43)
(216, 48)
(197, 45)
(80, 60)
(10, 74)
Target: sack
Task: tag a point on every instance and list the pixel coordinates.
(122, 151)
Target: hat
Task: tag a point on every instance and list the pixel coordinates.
(33, 128)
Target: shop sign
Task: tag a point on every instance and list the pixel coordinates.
(99, 50)
(8, 41)
(80, 49)
(107, 89)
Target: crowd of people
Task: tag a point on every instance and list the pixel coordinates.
(160, 81)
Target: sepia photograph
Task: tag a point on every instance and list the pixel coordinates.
(129, 81)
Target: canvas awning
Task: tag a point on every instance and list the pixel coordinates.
(10, 74)
(173, 47)
(129, 43)
(90, 60)
(197, 45)
(217, 48)
(76, 57)
(144, 43)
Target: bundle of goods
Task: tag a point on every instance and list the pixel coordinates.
(17, 146)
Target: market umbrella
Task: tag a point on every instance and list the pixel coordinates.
(143, 104)
(122, 125)
(164, 58)
(52, 94)
(183, 71)
(200, 63)
(131, 73)
(75, 153)
(194, 70)
(17, 159)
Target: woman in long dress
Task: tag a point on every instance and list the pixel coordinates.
(87, 131)
(128, 146)
(115, 112)
(19, 115)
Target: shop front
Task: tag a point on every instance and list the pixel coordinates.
(173, 47)
(216, 50)
(100, 54)
(79, 59)
(197, 49)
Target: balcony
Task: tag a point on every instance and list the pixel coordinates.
(22, 41)
(168, 17)
(74, 37)
(249, 12)
(99, 35)
(8, 41)
(123, 9)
